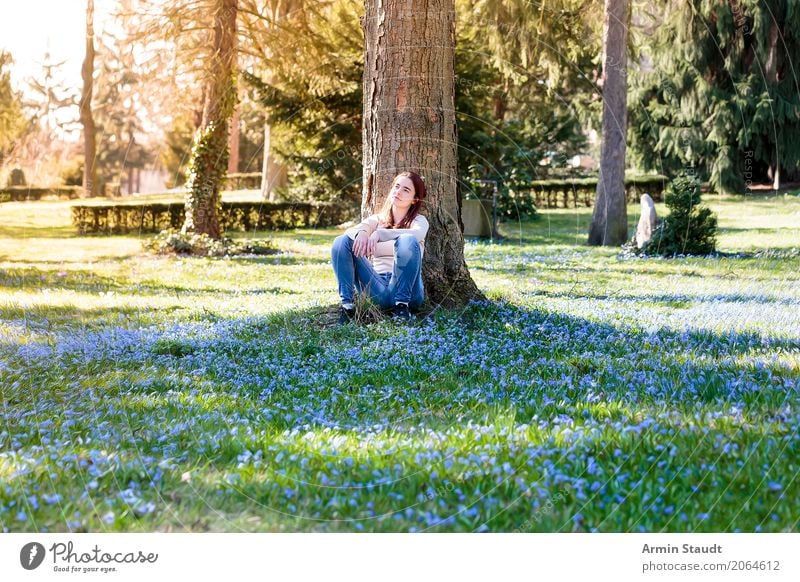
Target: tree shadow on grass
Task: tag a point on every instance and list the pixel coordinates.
(521, 402)
(74, 280)
(18, 321)
(660, 267)
(281, 260)
(558, 358)
(89, 281)
(66, 262)
(22, 232)
(672, 300)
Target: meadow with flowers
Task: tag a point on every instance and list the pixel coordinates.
(592, 391)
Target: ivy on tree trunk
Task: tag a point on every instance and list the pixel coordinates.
(209, 161)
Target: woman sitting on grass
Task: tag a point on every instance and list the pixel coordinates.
(394, 240)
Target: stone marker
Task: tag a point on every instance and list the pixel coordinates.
(647, 221)
(477, 217)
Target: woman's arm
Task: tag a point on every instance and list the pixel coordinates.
(419, 228)
(368, 225)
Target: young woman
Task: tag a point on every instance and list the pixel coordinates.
(383, 254)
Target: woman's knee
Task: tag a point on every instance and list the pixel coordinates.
(342, 242)
(406, 244)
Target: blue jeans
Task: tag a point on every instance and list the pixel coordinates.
(403, 284)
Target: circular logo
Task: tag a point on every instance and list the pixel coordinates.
(31, 556)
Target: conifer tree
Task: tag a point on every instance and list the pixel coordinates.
(689, 228)
(12, 119)
(722, 93)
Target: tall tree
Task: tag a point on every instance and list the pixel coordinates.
(723, 93)
(272, 31)
(50, 97)
(209, 161)
(609, 225)
(409, 124)
(12, 120)
(234, 125)
(307, 73)
(523, 89)
(122, 92)
(86, 117)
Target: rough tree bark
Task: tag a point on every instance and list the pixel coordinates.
(409, 124)
(234, 129)
(610, 217)
(86, 117)
(773, 77)
(209, 162)
(267, 191)
(233, 142)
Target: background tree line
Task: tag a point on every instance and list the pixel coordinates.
(712, 87)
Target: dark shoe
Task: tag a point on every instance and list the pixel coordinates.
(401, 313)
(346, 315)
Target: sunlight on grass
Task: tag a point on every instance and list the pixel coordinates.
(146, 393)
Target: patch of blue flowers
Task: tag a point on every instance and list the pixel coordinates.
(577, 410)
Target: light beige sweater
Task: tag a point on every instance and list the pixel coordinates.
(383, 259)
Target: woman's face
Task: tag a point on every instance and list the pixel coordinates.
(402, 192)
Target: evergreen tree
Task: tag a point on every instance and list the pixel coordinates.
(522, 91)
(314, 111)
(12, 119)
(722, 93)
(510, 116)
(50, 99)
(689, 229)
(120, 103)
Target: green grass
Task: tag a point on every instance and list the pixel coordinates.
(594, 392)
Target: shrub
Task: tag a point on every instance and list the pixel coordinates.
(172, 241)
(72, 175)
(243, 216)
(688, 229)
(17, 178)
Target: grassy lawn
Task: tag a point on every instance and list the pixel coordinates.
(593, 392)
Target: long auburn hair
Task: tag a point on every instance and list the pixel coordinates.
(386, 216)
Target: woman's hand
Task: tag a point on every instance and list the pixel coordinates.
(360, 244)
(372, 242)
(363, 245)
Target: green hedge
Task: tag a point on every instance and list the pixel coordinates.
(581, 192)
(248, 181)
(242, 216)
(26, 193)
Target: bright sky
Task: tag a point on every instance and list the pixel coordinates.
(29, 27)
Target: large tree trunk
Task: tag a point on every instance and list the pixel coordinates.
(773, 54)
(233, 143)
(209, 162)
(87, 120)
(409, 124)
(773, 67)
(267, 192)
(610, 219)
(233, 138)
